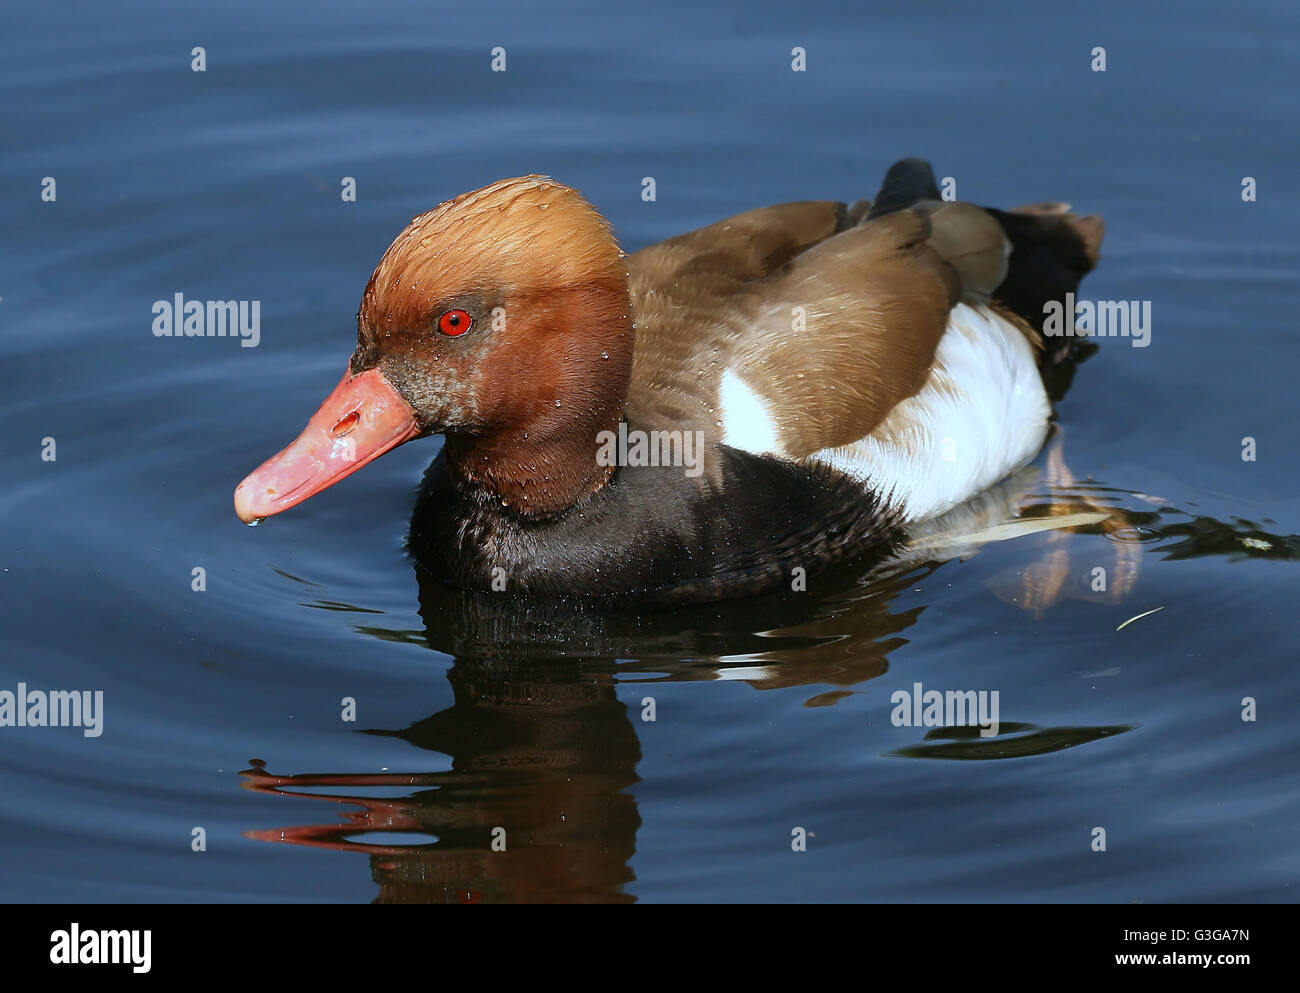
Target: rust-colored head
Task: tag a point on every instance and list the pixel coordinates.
(499, 318)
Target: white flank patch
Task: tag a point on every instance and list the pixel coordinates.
(981, 414)
(746, 423)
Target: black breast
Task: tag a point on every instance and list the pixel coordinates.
(654, 533)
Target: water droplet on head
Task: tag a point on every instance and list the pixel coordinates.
(255, 522)
(604, 355)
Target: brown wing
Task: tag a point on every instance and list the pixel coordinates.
(828, 326)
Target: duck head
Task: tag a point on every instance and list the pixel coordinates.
(499, 319)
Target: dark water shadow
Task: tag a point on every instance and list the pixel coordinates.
(1012, 741)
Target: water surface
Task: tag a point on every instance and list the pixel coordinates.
(223, 707)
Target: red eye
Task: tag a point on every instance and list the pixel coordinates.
(453, 323)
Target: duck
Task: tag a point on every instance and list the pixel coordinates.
(725, 413)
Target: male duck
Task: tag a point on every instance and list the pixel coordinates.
(816, 377)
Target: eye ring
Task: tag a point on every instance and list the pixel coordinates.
(454, 323)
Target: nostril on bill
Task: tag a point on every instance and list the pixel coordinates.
(346, 424)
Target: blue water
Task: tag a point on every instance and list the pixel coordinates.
(223, 707)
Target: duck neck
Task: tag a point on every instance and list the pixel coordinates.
(565, 381)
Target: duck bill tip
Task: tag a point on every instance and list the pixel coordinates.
(363, 418)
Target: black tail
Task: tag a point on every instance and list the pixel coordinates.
(907, 181)
(1051, 249)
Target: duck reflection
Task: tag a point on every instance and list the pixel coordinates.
(544, 748)
(542, 757)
